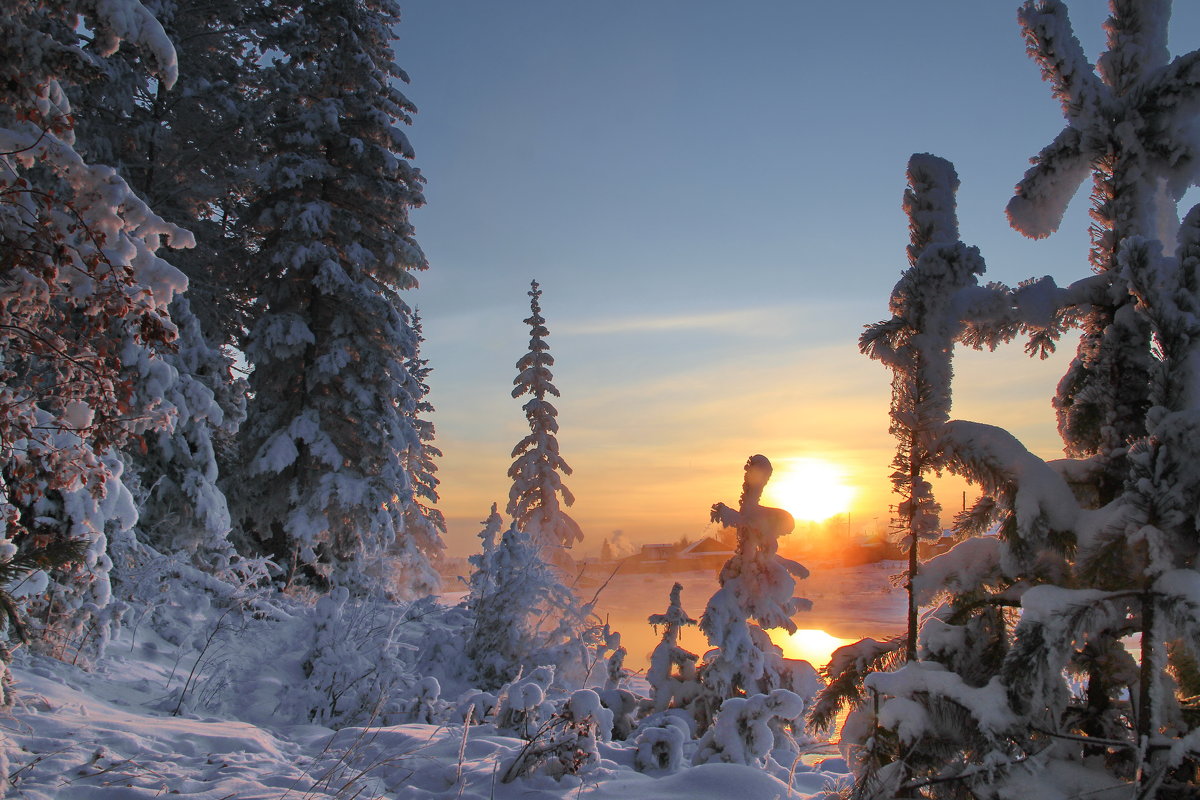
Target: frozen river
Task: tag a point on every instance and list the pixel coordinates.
(849, 603)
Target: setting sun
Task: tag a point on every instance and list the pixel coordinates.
(812, 645)
(810, 489)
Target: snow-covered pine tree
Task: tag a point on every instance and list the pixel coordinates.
(917, 344)
(533, 501)
(192, 151)
(756, 593)
(82, 297)
(331, 416)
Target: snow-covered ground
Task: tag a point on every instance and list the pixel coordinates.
(111, 733)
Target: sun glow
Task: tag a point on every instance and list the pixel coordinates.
(814, 646)
(809, 489)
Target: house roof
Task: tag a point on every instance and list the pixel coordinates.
(706, 546)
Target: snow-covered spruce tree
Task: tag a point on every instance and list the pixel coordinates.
(192, 151)
(533, 501)
(1101, 545)
(480, 583)
(1127, 126)
(424, 523)
(82, 297)
(330, 422)
(757, 586)
(524, 617)
(917, 345)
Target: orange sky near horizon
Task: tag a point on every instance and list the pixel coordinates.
(653, 472)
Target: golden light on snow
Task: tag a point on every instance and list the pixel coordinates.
(813, 646)
(810, 489)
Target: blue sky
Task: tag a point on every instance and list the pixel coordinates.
(709, 193)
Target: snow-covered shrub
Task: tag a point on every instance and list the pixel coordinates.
(424, 702)
(568, 744)
(625, 707)
(743, 732)
(476, 706)
(523, 706)
(660, 740)
(339, 662)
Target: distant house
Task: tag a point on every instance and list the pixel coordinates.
(706, 553)
(703, 554)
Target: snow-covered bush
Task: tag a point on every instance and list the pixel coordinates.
(424, 703)
(743, 732)
(568, 744)
(523, 706)
(660, 740)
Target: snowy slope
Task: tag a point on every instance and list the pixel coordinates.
(110, 733)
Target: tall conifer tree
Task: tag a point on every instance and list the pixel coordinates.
(533, 501)
(330, 420)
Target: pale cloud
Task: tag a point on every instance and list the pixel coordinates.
(747, 319)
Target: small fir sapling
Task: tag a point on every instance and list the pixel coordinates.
(672, 672)
(424, 523)
(623, 703)
(533, 501)
(757, 586)
(615, 672)
(524, 616)
(481, 582)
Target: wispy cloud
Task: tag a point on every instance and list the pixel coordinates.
(715, 321)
